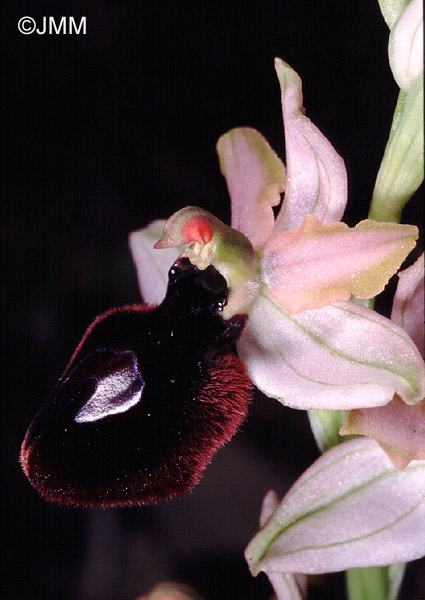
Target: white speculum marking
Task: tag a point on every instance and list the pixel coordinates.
(116, 393)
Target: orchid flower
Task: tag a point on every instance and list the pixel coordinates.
(282, 289)
(305, 343)
(308, 345)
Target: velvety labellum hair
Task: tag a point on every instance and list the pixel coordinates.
(148, 397)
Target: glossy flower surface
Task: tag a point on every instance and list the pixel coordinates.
(148, 397)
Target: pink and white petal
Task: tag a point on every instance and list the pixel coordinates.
(405, 49)
(318, 263)
(316, 176)
(339, 357)
(285, 586)
(345, 511)
(397, 427)
(152, 265)
(408, 306)
(268, 507)
(255, 177)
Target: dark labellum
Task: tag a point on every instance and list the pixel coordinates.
(148, 397)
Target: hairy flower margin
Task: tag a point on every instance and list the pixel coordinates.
(308, 345)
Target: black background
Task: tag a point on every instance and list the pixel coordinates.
(105, 132)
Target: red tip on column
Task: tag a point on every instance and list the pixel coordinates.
(198, 229)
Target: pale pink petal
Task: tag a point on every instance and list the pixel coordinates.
(397, 427)
(339, 357)
(405, 48)
(255, 177)
(287, 586)
(351, 508)
(152, 265)
(408, 305)
(317, 264)
(268, 507)
(316, 176)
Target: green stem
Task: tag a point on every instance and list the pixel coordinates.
(369, 583)
(402, 169)
(375, 583)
